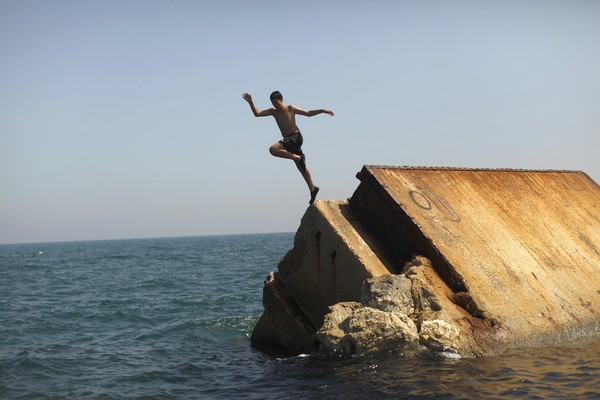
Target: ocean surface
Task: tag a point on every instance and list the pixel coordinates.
(171, 319)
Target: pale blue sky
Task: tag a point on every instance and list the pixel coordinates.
(124, 119)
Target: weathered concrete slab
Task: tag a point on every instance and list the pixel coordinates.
(520, 249)
(332, 256)
(484, 260)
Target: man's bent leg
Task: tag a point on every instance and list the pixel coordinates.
(278, 150)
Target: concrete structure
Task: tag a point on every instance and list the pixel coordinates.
(518, 251)
(332, 255)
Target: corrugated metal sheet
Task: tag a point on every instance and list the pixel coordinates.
(525, 245)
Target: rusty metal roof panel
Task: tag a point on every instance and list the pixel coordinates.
(524, 244)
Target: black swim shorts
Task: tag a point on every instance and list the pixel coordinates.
(293, 143)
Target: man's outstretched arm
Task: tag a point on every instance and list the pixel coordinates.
(311, 113)
(256, 111)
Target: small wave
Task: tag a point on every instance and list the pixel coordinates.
(30, 363)
(236, 323)
(450, 355)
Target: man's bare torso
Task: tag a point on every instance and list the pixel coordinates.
(286, 120)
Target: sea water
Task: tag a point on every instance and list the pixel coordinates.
(171, 319)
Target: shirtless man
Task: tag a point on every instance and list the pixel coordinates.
(290, 146)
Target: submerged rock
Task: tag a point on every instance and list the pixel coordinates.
(395, 311)
(438, 335)
(353, 329)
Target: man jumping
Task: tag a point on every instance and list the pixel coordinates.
(291, 145)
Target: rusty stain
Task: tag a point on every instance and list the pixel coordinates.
(586, 304)
(536, 278)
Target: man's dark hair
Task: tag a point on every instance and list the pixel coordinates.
(276, 95)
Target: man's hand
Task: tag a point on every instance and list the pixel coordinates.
(256, 111)
(328, 112)
(247, 97)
